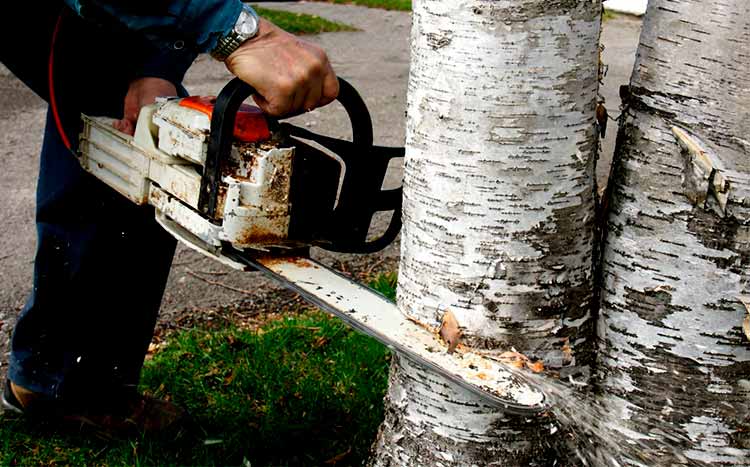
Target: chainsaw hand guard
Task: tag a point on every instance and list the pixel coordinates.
(321, 213)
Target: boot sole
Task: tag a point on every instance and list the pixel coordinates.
(9, 402)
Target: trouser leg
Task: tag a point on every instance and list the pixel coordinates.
(99, 275)
(101, 262)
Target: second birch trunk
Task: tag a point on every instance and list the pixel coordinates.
(675, 363)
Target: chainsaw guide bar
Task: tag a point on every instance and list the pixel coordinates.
(371, 313)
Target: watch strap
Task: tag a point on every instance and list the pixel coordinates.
(226, 45)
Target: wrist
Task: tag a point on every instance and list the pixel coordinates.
(265, 29)
(246, 27)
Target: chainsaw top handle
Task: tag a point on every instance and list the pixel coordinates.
(360, 196)
(223, 118)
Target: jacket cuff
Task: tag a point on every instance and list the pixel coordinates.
(210, 22)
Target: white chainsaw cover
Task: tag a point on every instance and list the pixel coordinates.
(162, 165)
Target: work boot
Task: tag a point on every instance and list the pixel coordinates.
(128, 415)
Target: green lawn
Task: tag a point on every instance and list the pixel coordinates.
(300, 23)
(404, 5)
(300, 390)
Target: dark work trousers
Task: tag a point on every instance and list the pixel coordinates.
(101, 261)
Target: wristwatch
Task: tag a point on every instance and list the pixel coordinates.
(245, 28)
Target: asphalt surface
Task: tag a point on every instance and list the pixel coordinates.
(375, 59)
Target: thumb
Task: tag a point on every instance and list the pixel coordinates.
(132, 108)
(129, 115)
(261, 102)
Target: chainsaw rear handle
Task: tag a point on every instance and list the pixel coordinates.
(360, 195)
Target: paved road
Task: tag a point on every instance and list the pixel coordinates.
(374, 59)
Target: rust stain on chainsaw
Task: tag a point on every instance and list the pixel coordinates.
(257, 235)
(300, 261)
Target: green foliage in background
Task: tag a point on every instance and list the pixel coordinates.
(403, 5)
(300, 23)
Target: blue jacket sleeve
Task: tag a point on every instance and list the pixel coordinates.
(170, 65)
(174, 25)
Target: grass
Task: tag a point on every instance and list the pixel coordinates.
(300, 390)
(386, 284)
(402, 5)
(300, 23)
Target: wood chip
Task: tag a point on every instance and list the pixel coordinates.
(519, 360)
(536, 367)
(567, 352)
(450, 331)
(745, 300)
(514, 359)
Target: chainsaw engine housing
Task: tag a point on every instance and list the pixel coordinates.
(162, 166)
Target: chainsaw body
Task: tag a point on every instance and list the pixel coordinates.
(221, 174)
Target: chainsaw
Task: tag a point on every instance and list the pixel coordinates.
(256, 193)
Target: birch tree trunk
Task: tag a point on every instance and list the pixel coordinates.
(675, 364)
(498, 215)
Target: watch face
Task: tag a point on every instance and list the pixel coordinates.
(246, 25)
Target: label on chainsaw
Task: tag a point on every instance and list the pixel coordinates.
(250, 125)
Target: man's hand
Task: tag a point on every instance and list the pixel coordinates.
(289, 74)
(142, 91)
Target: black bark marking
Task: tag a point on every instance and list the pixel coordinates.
(438, 41)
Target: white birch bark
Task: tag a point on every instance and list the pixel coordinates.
(675, 364)
(498, 214)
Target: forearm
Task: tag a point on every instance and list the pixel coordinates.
(288, 73)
